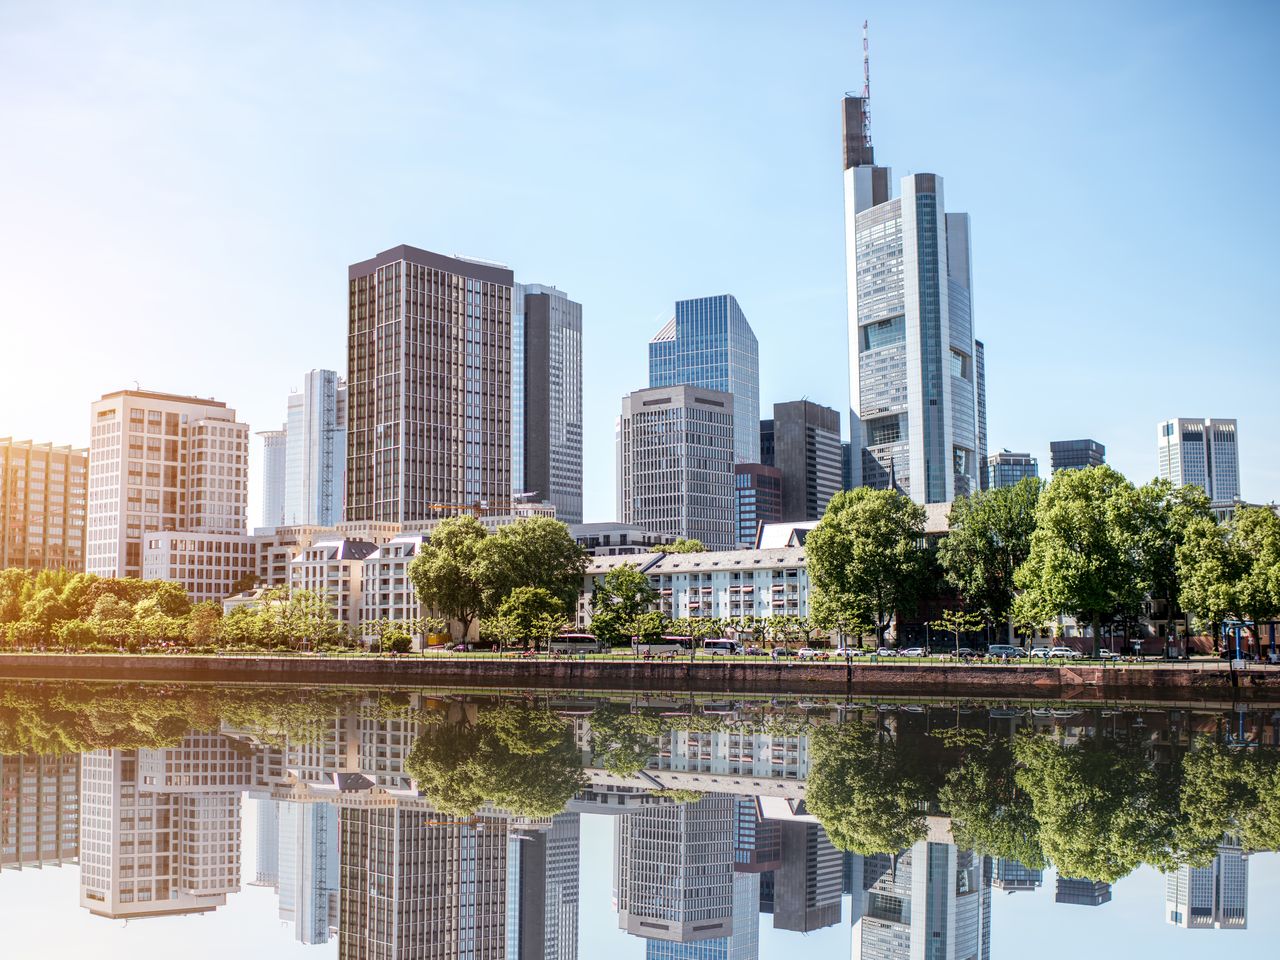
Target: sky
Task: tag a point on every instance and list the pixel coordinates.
(183, 186)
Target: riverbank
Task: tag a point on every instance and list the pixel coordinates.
(1210, 680)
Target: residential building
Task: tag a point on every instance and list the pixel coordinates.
(39, 810)
(807, 882)
(542, 891)
(758, 489)
(546, 398)
(277, 548)
(616, 539)
(1076, 454)
(334, 570)
(275, 451)
(804, 444)
(1004, 469)
(916, 417)
(1084, 893)
(316, 451)
(709, 344)
(1012, 877)
(1200, 452)
(389, 594)
(676, 456)
(42, 505)
(161, 462)
(1214, 896)
(207, 566)
(428, 385)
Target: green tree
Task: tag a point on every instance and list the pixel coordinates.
(989, 537)
(618, 601)
(529, 616)
(244, 583)
(452, 574)
(1232, 571)
(866, 558)
(15, 586)
(988, 812)
(1228, 790)
(956, 622)
(166, 598)
(623, 741)
(535, 552)
(681, 545)
(203, 623)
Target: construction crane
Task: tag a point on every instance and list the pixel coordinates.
(866, 87)
(480, 508)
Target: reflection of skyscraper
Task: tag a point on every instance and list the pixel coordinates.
(542, 891)
(1085, 893)
(267, 870)
(1011, 876)
(1212, 896)
(742, 944)
(757, 842)
(308, 869)
(808, 881)
(39, 810)
(932, 900)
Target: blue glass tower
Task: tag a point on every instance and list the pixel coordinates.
(709, 344)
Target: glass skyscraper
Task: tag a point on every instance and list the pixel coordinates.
(709, 344)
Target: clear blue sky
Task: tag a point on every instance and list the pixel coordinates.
(183, 187)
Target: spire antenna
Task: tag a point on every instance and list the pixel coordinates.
(866, 87)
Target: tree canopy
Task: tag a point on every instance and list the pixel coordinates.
(681, 545)
(618, 602)
(1231, 571)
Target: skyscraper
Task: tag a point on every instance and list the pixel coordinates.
(42, 505)
(546, 398)
(709, 344)
(316, 451)
(307, 864)
(803, 442)
(1012, 877)
(916, 416)
(274, 453)
(428, 385)
(1004, 469)
(1084, 893)
(1200, 452)
(759, 499)
(39, 810)
(1212, 896)
(675, 457)
(807, 883)
(1076, 454)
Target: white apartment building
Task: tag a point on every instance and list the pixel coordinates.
(161, 462)
(1200, 452)
(388, 592)
(277, 548)
(334, 569)
(205, 565)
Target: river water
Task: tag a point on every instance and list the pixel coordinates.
(169, 820)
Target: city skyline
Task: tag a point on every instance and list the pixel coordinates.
(789, 146)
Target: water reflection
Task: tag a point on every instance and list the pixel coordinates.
(450, 825)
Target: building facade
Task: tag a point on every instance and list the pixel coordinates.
(1214, 896)
(429, 357)
(1200, 452)
(275, 449)
(39, 810)
(43, 492)
(316, 450)
(206, 565)
(676, 463)
(1076, 454)
(616, 539)
(546, 398)
(1004, 469)
(804, 444)
(758, 489)
(709, 344)
(161, 462)
(334, 570)
(913, 361)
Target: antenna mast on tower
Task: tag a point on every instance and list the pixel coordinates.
(866, 87)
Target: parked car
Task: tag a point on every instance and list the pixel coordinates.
(965, 652)
(755, 651)
(915, 652)
(807, 653)
(1040, 652)
(886, 652)
(1005, 650)
(783, 652)
(1105, 654)
(848, 652)
(1065, 653)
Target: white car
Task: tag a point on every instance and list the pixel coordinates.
(914, 652)
(848, 652)
(886, 652)
(1105, 654)
(1041, 653)
(1065, 653)
(806, 653)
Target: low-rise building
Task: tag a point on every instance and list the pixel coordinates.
(616, 539)
(207, 566)
(388, 593)
(334, 569)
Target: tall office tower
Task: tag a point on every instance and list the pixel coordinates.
(759, 499)
(931, 900)
(1076, 454)
(709, 344)
(757, 842)
(39, 810)
(1012, 877)
(267, 869)
(546, 398)
(673, 871)
(161, 462)
(160, 828)
(308, 869)
(42, 505)
(411, 888)
(1212, 896)
(428, 385)
(542, 891)
(675, 455)
(1200, 452)
(808, 881)
(980, 364)
(915, 409)
(1084, 893)
(274, 454)
(846, 465)
(1004, 469)
(803, 441)
(743, 943)
(316, 451)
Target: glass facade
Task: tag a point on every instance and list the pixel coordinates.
(1004, 469)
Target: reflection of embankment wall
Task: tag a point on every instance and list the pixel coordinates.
(1210, 681)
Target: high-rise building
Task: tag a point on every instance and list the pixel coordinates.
(1084, 893)
(428, 385)
(1076, 454)
(916, 417)
(161, 462)
(542, 891)
(709, 344)
(316, 451)
(307, 862)
(1004, 469)
(546, 398)
(759, 499)
(274, 454)
(1012, 877)
(1213, 896)
(742, 943)
(42, 505)
(980, 360)
(1200, 452)
(757, 842)
(808, 881)
(675, 455)
(39, 810)
(803, 442)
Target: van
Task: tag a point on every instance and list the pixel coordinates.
(1005, 650)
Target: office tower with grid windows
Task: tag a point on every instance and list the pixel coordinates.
(917, 381)
(675, 456)
(42, 505)
(1200, 452)
(39, 810)
(803, 441)
(1081, 892)
(709, 344)
(1004, 469)
(808, 881)
(1213, 896)
(1076, 454)
(758, 489)
(542, 890)
(315, 464)
(161, 462)
(546, 398)
(429, 356)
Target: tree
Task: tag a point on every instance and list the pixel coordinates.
(44, 608)
(203, 623)
(623, 741)
(244, 583)
(681, 545)
(452, 574)
(166, 598)
(535, 552)
(530, 614)
(866, 558)
(1226, 790)
(988, 812)
(1083, 560)
(398, 640)
(1231, 571)
(957, 622)
(15, 585)
(617, 602)
(989, 537)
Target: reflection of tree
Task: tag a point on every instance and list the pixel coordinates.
(623, 741)
(866, 790)
(988, 812)
(1233, 791)
(517, 757)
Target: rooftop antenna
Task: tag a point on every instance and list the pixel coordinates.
(866, 87)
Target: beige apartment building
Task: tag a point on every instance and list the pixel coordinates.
(42, 505)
